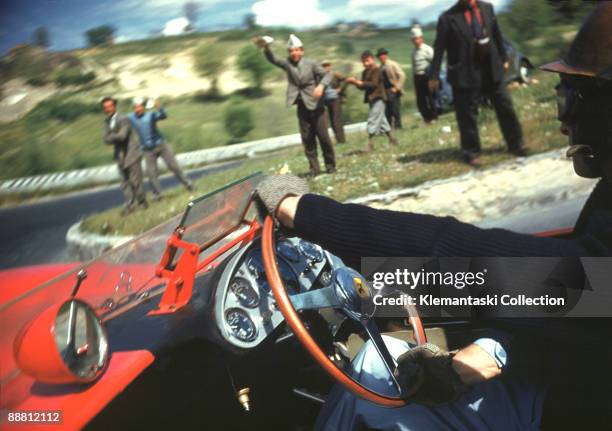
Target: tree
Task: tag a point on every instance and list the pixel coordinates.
(238, 121)
(526, 18)
(252, 63)
(250, 21)
(209, 63)
(191, 10)
(100, 36)
(41, 37)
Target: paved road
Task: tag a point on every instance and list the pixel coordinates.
(36, 233)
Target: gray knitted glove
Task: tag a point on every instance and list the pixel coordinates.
(427, 377)
(274, 188)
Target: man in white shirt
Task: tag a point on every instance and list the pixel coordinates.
(422, 56)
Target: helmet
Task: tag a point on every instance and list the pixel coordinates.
(591, 52)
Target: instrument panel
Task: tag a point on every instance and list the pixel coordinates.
(245, 307)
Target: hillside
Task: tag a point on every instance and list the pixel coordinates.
(51, 119)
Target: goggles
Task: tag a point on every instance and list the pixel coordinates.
(573, 102)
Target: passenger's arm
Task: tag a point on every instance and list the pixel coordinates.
(474, 364)
(353, 231)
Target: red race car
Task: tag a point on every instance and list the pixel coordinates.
(200, 322)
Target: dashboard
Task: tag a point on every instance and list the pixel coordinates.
(245, 307)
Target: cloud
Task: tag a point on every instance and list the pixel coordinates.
(176, 26)
(292, 13)
(396, 11)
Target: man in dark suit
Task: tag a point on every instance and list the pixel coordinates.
(477, 58)
(118, 132)
(306, 82)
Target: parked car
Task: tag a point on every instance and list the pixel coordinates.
(519, 71)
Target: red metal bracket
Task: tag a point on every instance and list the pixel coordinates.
(182, 277)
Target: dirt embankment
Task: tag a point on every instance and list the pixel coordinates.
(169, 75)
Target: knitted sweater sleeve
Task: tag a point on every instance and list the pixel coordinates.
(353, 231)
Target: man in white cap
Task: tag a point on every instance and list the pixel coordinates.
(307, 80)
(422, 56)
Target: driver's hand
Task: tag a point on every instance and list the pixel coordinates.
(427, 376)
(273, 189)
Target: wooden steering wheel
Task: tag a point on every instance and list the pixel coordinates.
(348, 292)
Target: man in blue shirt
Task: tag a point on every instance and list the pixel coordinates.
(154, 145)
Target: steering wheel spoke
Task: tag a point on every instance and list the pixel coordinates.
(315, 299)
(379, 343)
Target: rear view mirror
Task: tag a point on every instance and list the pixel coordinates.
(65, 344)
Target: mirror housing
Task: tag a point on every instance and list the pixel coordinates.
(65, 344)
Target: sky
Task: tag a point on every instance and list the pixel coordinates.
(68, 20)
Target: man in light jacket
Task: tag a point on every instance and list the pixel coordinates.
(394, 78)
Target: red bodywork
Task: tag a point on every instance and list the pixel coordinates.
(20, 391)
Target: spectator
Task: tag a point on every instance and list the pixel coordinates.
(154, 145)
(372, 84)
(334, 95)
(393, 78)
(306, 84)
(477, 58)
(118, 132)
(422, 56)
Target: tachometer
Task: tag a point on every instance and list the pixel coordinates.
(311, 251)
(241, 325)
(242, 288)
(288, 276)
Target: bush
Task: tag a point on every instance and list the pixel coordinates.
(346, 47)
(209, 63)
(252, 63)
(71, 77)
(238, 120)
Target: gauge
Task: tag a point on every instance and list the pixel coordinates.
(240, 324)
(244, 291)
(288, 277)
(288, 251)
(311, 251)
(255, 264)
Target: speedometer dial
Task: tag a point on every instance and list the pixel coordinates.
(241, 325)
(242, 288)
